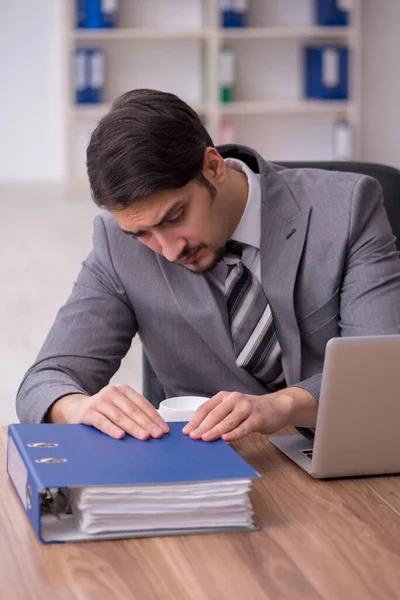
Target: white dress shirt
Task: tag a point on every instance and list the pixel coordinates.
(248, 230)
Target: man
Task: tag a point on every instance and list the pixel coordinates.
(234, 272)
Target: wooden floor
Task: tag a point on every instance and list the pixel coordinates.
(45, 233)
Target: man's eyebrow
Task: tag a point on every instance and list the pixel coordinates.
(160, 222)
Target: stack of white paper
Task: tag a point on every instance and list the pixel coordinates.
(144, 508)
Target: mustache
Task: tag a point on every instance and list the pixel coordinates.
(187, 252)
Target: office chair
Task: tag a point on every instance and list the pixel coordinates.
(388, 177)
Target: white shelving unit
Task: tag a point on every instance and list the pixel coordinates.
(174, 46)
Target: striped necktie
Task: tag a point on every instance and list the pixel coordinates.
(253, 332)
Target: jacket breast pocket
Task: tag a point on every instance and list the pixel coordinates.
(321, 315)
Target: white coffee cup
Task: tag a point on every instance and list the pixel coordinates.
(180, 408)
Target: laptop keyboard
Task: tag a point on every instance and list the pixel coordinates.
(308, 453)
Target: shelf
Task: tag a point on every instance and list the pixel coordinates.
(137, 33)
(246, 33)
(96, 111)
(286, 33)
(296, 107)
(300, 107)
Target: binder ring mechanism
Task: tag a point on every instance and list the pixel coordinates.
(42, 445)
(46, 445)
(51, 460)
(29, 496)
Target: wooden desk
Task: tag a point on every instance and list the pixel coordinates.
(334, 539)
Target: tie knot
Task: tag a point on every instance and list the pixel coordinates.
(233, 250)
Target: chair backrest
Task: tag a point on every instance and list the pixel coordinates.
(388, 177)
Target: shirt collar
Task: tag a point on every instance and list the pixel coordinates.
(248, 230)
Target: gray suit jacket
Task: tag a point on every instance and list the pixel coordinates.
(329, 268)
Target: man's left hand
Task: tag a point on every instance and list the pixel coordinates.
(232, 415)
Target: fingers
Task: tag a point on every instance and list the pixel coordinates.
(240, 432)
(129, 416)
(135, 405)
(117, 410)
(101, 422)
(127, 424)
(223, 419)
(202, 412)
(219, 415)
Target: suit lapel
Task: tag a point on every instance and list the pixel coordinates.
(284, 230)
(200, 309)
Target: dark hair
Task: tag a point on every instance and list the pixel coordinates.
(148, 142)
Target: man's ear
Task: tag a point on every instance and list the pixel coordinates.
(214, 167)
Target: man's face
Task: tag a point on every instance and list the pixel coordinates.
(186, 226)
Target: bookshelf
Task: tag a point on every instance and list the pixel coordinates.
(175, 45)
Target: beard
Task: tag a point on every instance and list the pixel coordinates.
(205, 265)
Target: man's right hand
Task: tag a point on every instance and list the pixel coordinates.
(115, 410)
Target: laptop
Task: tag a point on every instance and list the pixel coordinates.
(358, 424)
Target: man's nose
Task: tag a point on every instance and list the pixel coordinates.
(172, 247)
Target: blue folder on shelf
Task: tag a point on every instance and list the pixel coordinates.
(167, 486)
(332, 13)
(89, 75)
(95, 14)
(326, 72)
(233, 12)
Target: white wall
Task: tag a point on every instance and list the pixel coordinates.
(31, 105)
(31, 102)
(381, 82)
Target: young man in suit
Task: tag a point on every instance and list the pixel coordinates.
(234, 272)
